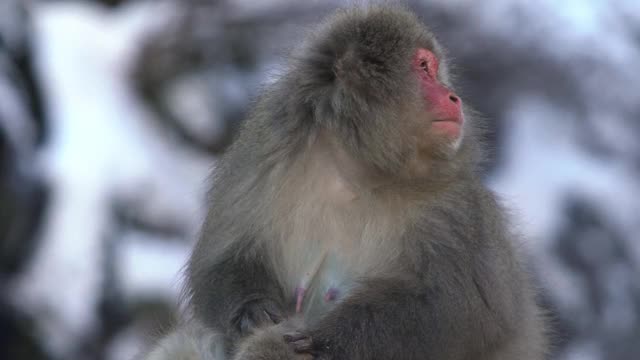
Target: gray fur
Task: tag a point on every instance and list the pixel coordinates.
(328, 170)
(191, 341)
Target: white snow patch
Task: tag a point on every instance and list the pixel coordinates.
(543, 164)
(147, 267)
(103, 149)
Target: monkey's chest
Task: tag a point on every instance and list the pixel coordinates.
(325, 249)
(321, 271)
(320, 282)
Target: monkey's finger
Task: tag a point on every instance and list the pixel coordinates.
(300, 342)
(251, 319)
(273, 312)
(294, 336)
(245, 324)
(303, 346)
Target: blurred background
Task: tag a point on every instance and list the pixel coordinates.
(113, 112)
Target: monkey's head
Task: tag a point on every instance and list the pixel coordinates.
(377, 79)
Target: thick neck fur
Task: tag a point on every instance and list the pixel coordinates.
(325, 207)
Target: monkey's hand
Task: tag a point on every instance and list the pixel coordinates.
(268, 344)
(257, 313)
(300, 342)
(400, 319)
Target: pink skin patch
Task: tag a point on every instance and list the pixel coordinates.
(443, 105)
(299, 297)
(331, 295)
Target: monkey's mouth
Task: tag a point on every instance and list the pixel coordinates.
(449, 127)
(456, 120)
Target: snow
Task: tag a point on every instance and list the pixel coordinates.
(104, 149)
(151, 268)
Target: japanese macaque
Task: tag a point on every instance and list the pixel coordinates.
(348, 220)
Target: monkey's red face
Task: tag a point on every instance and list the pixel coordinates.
(444, 108)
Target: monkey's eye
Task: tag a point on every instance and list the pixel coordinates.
(427, 62)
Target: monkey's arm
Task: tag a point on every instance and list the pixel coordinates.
(235, 294)
(406, 319)
(188, 341)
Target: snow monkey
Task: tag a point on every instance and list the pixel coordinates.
(348, 219)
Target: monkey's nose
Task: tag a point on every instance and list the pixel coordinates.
(454, 98)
